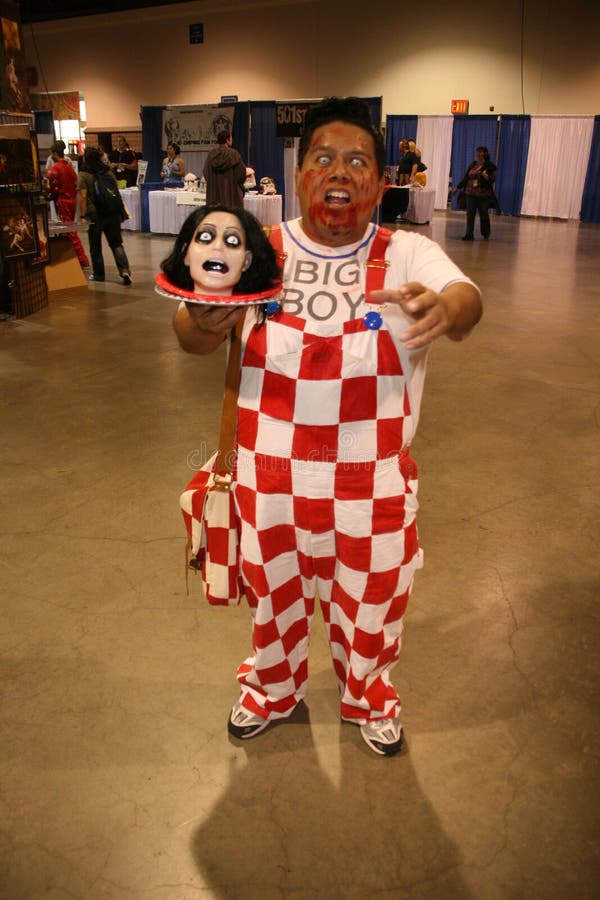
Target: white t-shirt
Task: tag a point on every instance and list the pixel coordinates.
(325, 286)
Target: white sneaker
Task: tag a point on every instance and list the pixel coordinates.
(244, 724)
(384, 736)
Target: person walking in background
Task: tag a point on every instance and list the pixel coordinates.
(477, 185)
(101, 206)
(173, 167)
(62, 189)
(225, 173)
(331, 385)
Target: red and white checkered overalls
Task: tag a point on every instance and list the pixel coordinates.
(327, 501)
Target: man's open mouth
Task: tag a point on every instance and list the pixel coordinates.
(337, 197)
(216, 265)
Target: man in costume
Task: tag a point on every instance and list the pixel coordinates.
(328, 405)
(225, 173)
(62, 180)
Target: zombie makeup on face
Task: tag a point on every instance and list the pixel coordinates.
(338, 184)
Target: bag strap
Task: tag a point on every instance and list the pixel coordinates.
(224, 463)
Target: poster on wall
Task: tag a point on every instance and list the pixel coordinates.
(19, 166)
(196, 127)
(64, 104)
(40, 224)
(17, 230)
(14, 93)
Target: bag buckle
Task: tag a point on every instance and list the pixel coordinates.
(222, 483)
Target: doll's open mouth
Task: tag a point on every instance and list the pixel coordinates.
(216, 265)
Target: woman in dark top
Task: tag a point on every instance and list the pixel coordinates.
(409, 162)
(478, 187)
(101, 221)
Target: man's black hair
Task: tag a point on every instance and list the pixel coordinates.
(341, 109)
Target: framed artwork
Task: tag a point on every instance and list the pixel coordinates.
(40, 224)
(18, 237)
(19, 168)
(14, 92)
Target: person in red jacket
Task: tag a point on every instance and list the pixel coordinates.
(62, 179)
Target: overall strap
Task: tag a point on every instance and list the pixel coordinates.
(377, 263)
(275, 236)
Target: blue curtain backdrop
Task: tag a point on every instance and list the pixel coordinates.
(44, 121)
(266, 150)
(468, 133)
(512, 162)
(590, 202)
(152, 140)
(397, 127)
(239, 132)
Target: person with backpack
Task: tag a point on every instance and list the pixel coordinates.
(102, 208)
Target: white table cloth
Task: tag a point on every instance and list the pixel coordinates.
(266, 207)
(131, 199)
(167, 216)
(420, 205)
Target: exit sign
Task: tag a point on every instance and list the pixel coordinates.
(459, 106)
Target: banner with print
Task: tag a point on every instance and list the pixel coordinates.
(290, 116)
(196, 127)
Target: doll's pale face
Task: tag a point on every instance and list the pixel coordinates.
(217, 254)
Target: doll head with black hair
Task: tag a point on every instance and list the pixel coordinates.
(222, 251)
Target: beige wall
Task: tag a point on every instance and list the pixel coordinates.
(277, 50)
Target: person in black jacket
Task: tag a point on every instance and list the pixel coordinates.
(478, 188)
(101, 221)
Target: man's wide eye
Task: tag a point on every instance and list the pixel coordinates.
(323, 159)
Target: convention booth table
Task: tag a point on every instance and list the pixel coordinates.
(266, 207)
(420, 205)
(167, 213)
(131, 199)
(412, 203)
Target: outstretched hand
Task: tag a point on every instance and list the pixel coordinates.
(425, 306)
(453, 312)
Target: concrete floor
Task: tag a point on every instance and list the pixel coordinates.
(118, 779)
